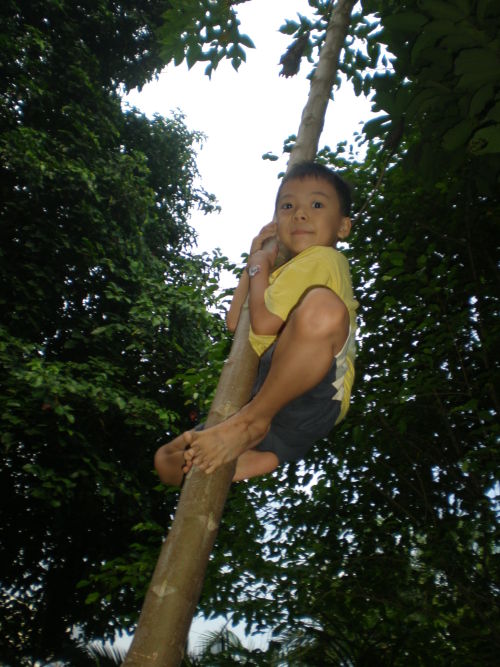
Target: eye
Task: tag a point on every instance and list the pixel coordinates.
(317, 204)
(286, 206)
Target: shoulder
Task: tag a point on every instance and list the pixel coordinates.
(317, 260)
(325, 256)
(314, 254)
(321, 252)
(332, 254)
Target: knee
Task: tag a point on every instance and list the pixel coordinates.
(322, 313)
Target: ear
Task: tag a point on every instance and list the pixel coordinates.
(345, 228)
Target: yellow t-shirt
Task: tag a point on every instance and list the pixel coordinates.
(317, 266)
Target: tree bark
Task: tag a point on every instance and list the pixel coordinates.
(313, 115)
(161, 635)
(170, 603)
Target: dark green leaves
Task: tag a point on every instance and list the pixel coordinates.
(389, 558)
(405, 22)
(103, 303)
(451, 77)
(202, 31)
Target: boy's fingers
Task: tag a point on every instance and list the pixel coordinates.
(268, 230)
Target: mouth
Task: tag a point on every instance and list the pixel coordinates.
(299, 232)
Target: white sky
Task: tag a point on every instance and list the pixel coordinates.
(245, 114)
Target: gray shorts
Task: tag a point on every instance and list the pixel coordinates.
(297, 426)
(309, 417)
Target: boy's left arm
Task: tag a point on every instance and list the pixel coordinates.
(239, 296)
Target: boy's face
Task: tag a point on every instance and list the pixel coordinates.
(308, 213)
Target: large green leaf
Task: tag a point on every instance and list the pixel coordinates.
(445, 10)
(470, 61)
(406, 22)
(480, 99)
(486, 140)
(458, 135)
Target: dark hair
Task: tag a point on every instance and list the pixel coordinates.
(303, 170)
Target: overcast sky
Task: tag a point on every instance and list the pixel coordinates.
(245, 114)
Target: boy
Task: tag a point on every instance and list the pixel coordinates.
(303, 322)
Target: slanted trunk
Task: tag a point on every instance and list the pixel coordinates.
(313, 115)
(173, 594)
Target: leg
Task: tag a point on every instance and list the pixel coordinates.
(171, 466)
(253, 464)
(315, 332)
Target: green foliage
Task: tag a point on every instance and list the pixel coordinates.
(113, 45)
(308, 32)
(103, 304)
(203, 30)
(416, 554)
(433, 65)
(223, 649)
(444, 81)
(380, 549)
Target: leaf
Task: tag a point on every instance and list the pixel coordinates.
(120, 402)
(289, 27)
(458, 135)
(463, 35)
(426, 39)
(494, 113)
(193, 54)
(246, 41)
(469, 61)
(486, 140)
(474, 79)
(480, 98)
(484, 8)
(376, 127)
(405, 22)
(270, 156)
(443, 10)
(423, 100)
(397, 258)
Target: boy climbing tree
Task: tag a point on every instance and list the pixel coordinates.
(176, 583)
(303, 325)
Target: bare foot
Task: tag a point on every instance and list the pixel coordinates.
(224, 442)
(170, 462)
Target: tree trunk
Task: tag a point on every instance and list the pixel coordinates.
(173, 594)
(313, 115)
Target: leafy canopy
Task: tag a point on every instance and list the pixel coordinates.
(380, 548)
(103, 301)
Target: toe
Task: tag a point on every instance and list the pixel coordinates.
(201, 464)
(187, 438)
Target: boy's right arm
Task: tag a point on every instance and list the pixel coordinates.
(239, 296)
(241, 291)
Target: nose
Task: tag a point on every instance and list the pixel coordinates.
(300, 213)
